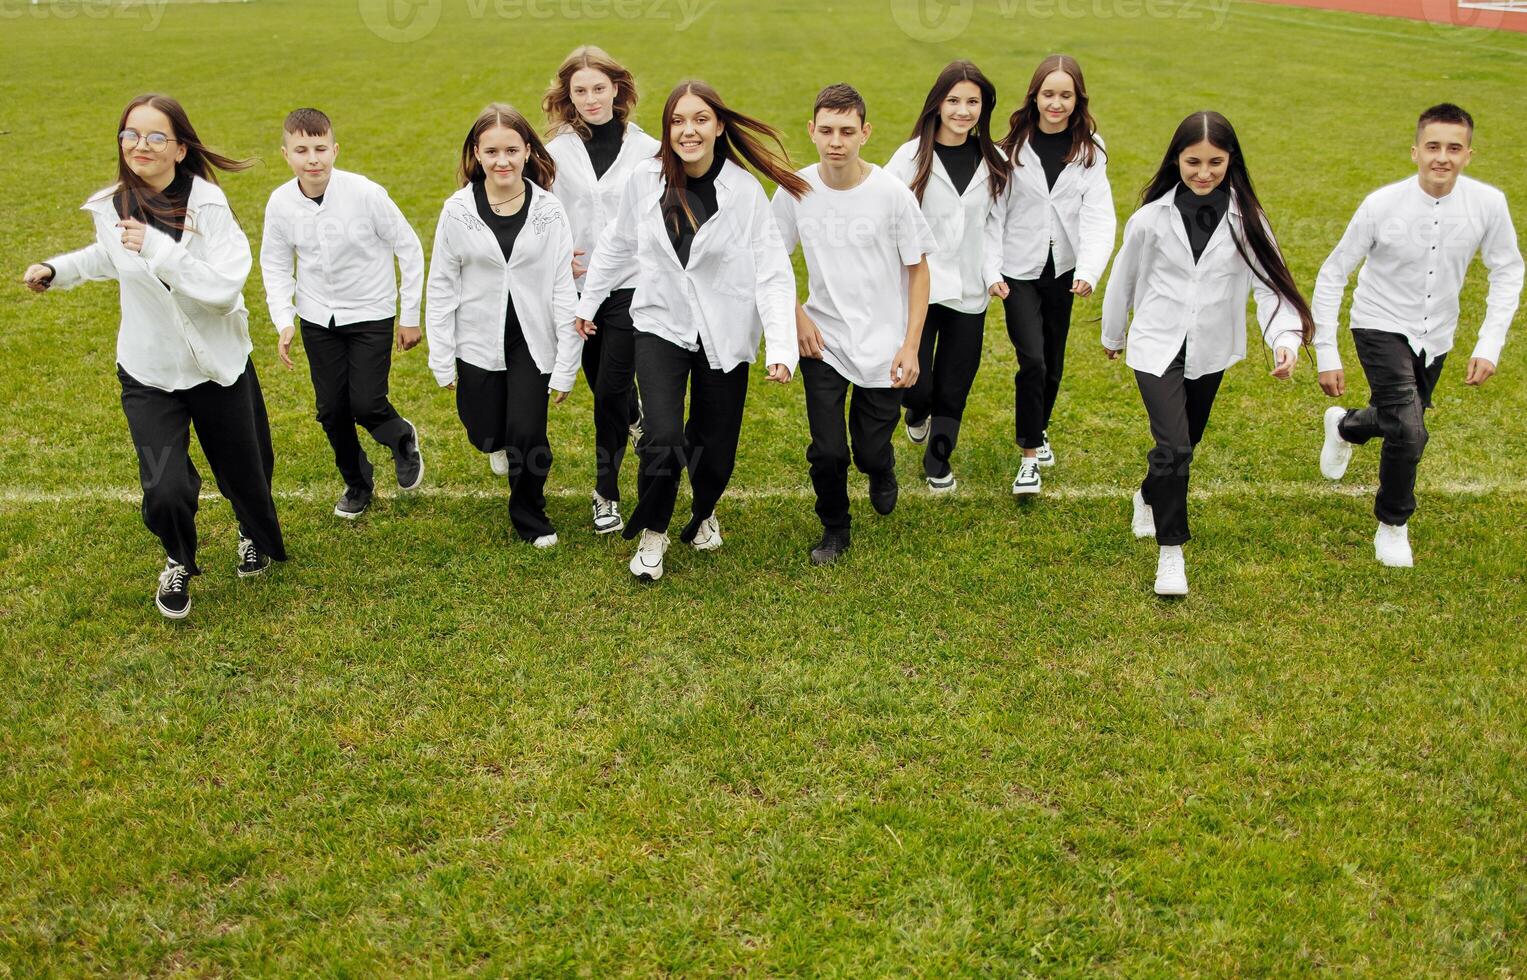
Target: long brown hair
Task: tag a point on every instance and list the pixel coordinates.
(558, 101)
(539, 168)
(926, 127)
(741, 138)
(1265, 260)
(1025, 119)
(133, 196)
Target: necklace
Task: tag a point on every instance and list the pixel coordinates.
(504, 204)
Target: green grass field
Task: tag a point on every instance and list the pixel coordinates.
(978, 745)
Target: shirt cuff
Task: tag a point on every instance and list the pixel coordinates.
(1327, 358)
(587, 309)
(156, 246)
(1489, 350)
(563, 382)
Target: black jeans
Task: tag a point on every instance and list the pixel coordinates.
(609, 364)
(1400, 386)
(507, 410)
(1179, 410)
(234, 433)
(1038, 323)
(350, 365)
(947, 361)
(872, 417)
(706, 445)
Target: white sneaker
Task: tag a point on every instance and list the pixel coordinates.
(647, 563)
(1027, 481)
(919, 433)
(1336, 453)
(1046, 455)
(1144, 519)
(545, 541)
(1391, 545)
(708, 535)
(943, 484)
(1171, 573)
(607, 517)
(499, 462)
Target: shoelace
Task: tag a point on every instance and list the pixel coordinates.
(247, 551)
(173, 579)
(1030, 466)
(604, 508)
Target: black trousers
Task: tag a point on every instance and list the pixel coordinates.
(609, 364)
(234, 433)
(1400, 388)
(1038, 323)
(706, 445)
(507, 410)
(872, 417)
(947, 361)
(1179, 410)
(350, 365)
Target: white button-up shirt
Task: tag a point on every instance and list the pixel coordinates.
(738, 284)
(184, 322)
(344, 250)
(1178, 302)
(968, 228)
(592, 202)
(1075, 218)
(1415, 250)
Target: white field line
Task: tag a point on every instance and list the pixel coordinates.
(23, 497)
(1242, 10)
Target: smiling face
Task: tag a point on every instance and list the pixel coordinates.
(311, 159)
(154, 167)
(593, 95)
(839, 134)
(1055, 100)
(1203, 166)
(692, 132)
(959, 113)
(1441, 152)
(501, 152)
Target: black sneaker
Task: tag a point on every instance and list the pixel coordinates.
(353, 504)
(174, 595)
(409, 461)
(252, 561)
(833, 544)
(884, 491)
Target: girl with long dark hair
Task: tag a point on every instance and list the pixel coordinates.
(1058, 229)
(712, 274)
(166, 233)
(1198, 245)
(957, 174)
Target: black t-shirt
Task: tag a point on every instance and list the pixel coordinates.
(603, 145)
(1201, 214)
(506, 228)
(1051, 148)
(173, 199)
(700, 193)
(315, 200)
(959, 162)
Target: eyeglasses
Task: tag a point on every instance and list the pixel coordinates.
(156, 141)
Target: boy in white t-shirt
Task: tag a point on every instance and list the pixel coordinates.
(866, 244)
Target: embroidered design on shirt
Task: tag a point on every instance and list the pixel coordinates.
(470, 221)
(541, 219)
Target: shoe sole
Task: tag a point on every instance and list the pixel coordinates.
(648, 576)
(611, 529)
(1331, 471)
(710, 545)
(255, 574)
(1171, 593)
(347, 515)
(1143, 532)
(942, 490)
(1026, 491)
(1395, 564)
(170, 613)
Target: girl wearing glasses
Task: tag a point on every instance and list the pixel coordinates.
(166, 233)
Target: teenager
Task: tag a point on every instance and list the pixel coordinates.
(596, 146)
(165, 232)
(1198, 245)
(957, 175)
(1058, 230)
(1414, 240)
(867, 248)
(344, 233)
(500, 306)
(711, 276)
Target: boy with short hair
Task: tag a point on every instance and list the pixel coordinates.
(1414, 240)
(866, 245)
(344, 232)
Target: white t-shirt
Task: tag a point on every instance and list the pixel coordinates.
(858, 245)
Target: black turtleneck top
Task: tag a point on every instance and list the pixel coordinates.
(1201, 214)
(603, 144)
(173, 199)
(700, 192)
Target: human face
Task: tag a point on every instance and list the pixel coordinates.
(501, 151)
(1055, 100)
(1441, 152)
(1203, 166)
(310, 157)
(154, 167)
(959, 113)
(839, 134)
(593, 95)
(692, 132)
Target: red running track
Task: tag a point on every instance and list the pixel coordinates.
(1442, 12)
